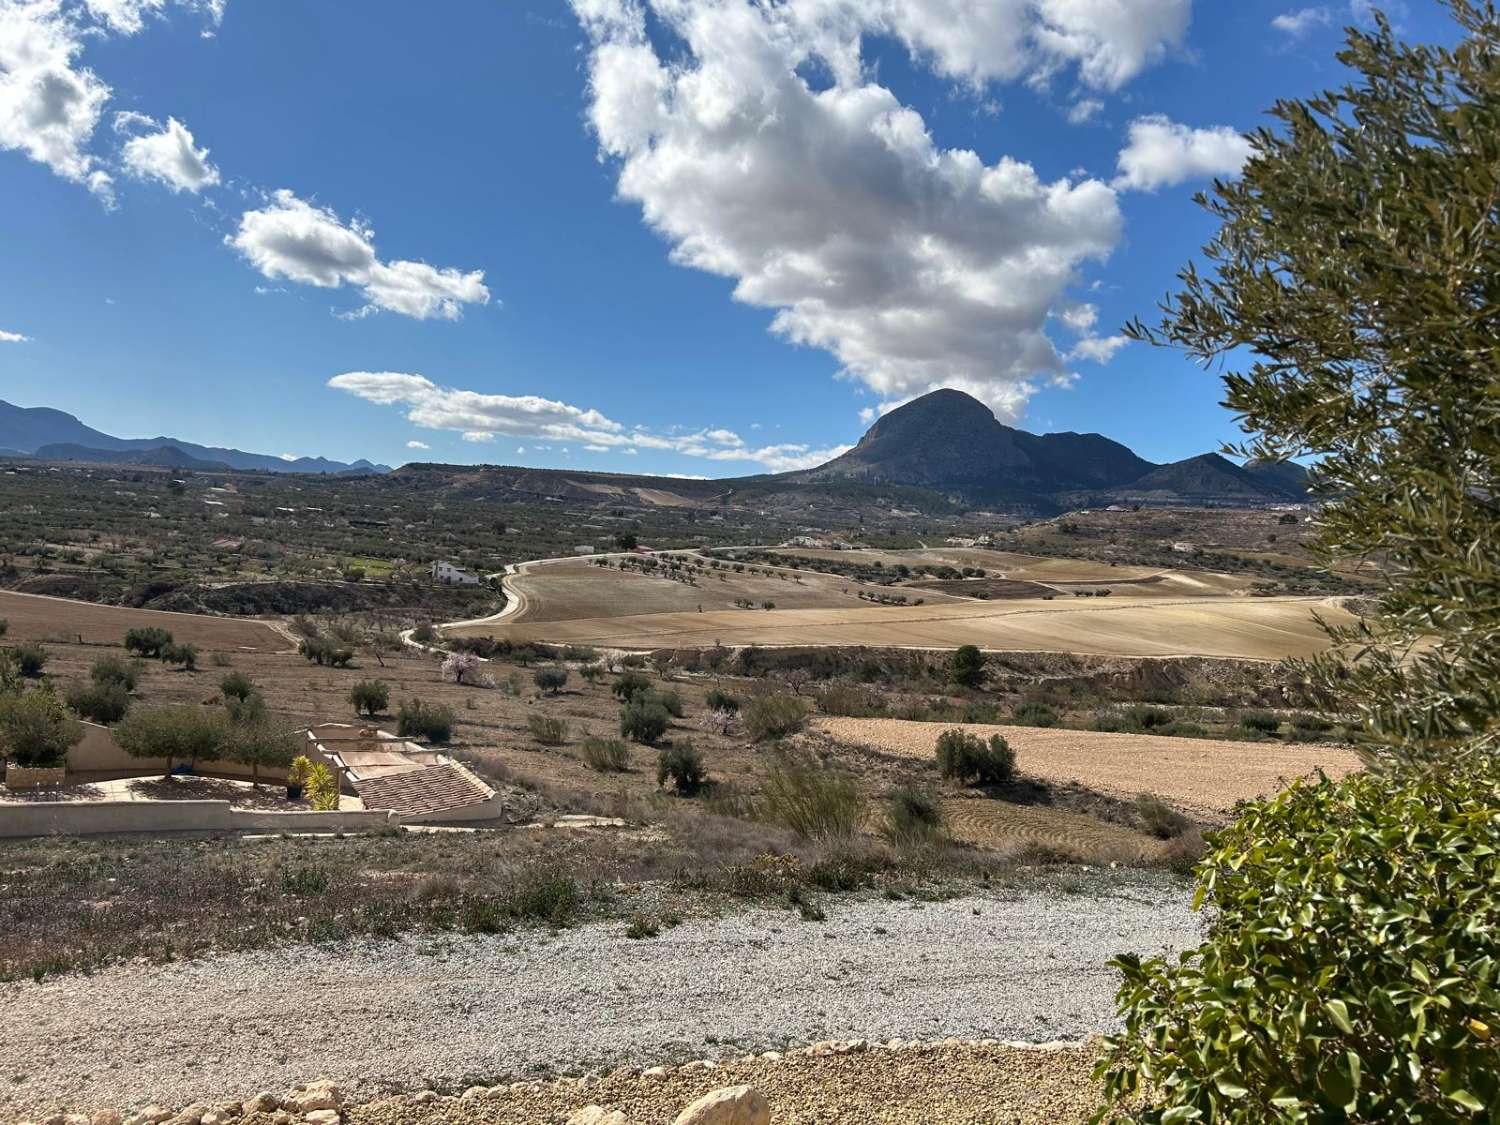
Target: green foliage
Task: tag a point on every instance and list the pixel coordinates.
(182, 654)
(35, 729)
(816, 802)
(551, 679)
(606, 755)
(322, 788)
(370, 697)
(774, 716)
(236, 685)
(321, 651)
(1032, 714)
(547, 730)
(1351, 965)
(1351, 293)
(593, 672)
(102, 703)
(914, 817)
(190, 734)
(630, 685)
(255, 740)
(4, 626)
(969, 760)
(717, 700)
(683, 766)
(111, 669)
(419, 719)
(1263, 721)
(31, 658)
(966, 667)
(671, 701)
(1159, 818)
(644, 720)
(147, 642)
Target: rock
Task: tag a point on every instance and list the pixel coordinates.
(263, 1102)
(191, 1115)
(106, 1117)
(597, 1115)
(656, 1073)
(771, 1056)
(322, 1117)
(281, 1117)
(322, 1094)
(155, 1115)
(474, 1093)
(425, 1097)
(733, 1105)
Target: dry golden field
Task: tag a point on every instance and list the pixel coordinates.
(36, 618)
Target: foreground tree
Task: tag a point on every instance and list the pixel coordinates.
(1351, 967)
(35, 729)
(190, 734)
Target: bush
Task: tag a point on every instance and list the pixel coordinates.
(969, 760)
(4, 626)
(1263, 721)
(966, 667)
(424, 634)
(774, 716)
(593, 672)
(644, 720)
(852, 700)
(1035, 715)
(180, 653)
(606, 755)
(236, 685)
(1348, 973)
(322, 788)
(115, 670)
(31, 658)
(36, 730)
(418, 719)
(1159, 818)
(102, 703)
(321, 651)
(1183, 729)
(913, 818)
(682, 765)
(547, 730)
(370, 696)
(190, 734)
(630, 685)
(816, 802)
(147, 642)
(670, 700)
(717, 700)
(1141, 716)
(1305, 724)
(550, 680)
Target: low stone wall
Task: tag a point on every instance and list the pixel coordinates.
(110, 818)
(33, 777)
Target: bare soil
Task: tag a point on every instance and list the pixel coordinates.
(36, 618)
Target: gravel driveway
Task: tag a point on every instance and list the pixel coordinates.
(444, 1011)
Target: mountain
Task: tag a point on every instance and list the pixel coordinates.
(28, 430)
(165, 457)
(950, 442)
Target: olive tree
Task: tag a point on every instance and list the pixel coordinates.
(36, 729)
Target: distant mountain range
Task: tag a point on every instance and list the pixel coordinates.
(53, 435)
(951, 442)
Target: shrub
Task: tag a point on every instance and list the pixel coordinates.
(606, 755)
(682, 765)
(774, 716)
(419, 719)
(321, 651)
(644, 720)
(550, 680)
(115, 670)
(236, 685)
(1110, 722)
(4, 626)
(147, 642)
(1183, 729)
(630, 685)
(1346, 975)
(547, 730)
(221, 660)
(969, 760)
(717, 700)
(670, 700)
(190, 734)
(913, 818)
(1142, 716)
(816, 802)
(1263, 721)
(31, 658)
(1159, 818)
(1305, 724)
(370, 696)
(424, 634)
(103, 703)
(1034, 714)
(254, 740)
(181, 653)
(592, 672)
(966, 667)
(852, 700)
(322, 788)
(36, 730)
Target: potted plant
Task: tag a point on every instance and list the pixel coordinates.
(296, 776)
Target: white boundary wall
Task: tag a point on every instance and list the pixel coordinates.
(109, 818)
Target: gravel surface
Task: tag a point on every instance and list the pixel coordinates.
(450, 1011)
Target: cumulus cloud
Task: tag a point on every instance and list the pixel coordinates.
(1099, 349)
(417, 445)
(299, 241)
(12, 337)
(480, 417)
(917, 266)
(1084, 110)
(1160, 153)
(1298, 23)
(165, 153)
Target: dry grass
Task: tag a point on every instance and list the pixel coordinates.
(36, 618)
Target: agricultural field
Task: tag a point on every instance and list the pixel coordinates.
(32, 617)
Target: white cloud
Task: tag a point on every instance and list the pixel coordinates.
(917, 266)
(126, 17)
(49, 106)
(479, 417)
(12, 337)
(1099, 349)
(288, 456)
(1298, 23)
(1084, 110)
(167, 154)
(293, 239)
(1160, 153)
(417, 445)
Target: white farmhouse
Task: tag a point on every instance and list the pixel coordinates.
(451, 575)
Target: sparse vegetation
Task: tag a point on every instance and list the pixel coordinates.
(419, 719)
(774, 716)
(644, 720)
(547, 730)
(370, 697)
(816, 802)
(683, 767)
(970, 760)
(606, 755)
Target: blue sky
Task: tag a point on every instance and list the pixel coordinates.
(679, 236)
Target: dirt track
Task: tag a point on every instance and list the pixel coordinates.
(1202, 776)
(33, 617)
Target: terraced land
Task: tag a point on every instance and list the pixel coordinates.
(36, 618)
